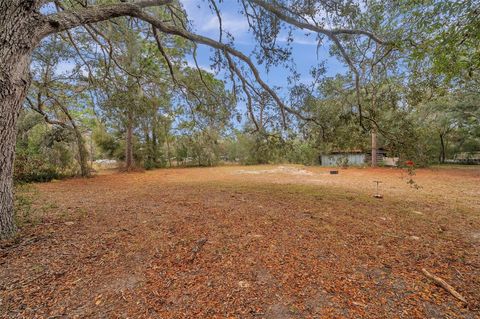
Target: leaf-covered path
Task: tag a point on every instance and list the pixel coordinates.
(246, 242)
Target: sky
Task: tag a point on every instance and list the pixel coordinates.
(304, 46)
(205, 22)
(305, 51)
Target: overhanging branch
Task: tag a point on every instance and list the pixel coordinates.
(69, 19)
(66, 20)
(275, 9)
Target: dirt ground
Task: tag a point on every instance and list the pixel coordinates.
(246, 242)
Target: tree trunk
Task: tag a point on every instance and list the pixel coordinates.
(129, 143)
(82, 153)
(168, 145)
(154, 138)
(148, 144)
(374, 147)
(11, 95)
(442, 149)
(16, 45)
(82, 150)
(154, 145)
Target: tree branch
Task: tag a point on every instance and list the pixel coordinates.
(69, 19)
(245, 89)
(66, 20)
(170, 29)
(275, 9)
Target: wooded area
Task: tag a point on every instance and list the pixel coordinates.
(144, 85)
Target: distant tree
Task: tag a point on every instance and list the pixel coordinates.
(204, 115)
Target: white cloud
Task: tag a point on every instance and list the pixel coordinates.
(305, 42)
(233, 24)
(300, 41)
(206, 22)
(65, 67)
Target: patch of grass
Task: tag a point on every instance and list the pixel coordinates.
(64, 215)
(24, 196)
(457, 166)
(82, 212)
(27, 209)
(48, 206)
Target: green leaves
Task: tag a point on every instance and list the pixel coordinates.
(446, 32)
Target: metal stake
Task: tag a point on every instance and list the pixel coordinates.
(377, 194)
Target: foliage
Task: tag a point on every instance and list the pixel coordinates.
(43, 152)
(451, 47)
(108, 143)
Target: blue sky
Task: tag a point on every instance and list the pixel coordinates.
(304, 47)
(205, 23)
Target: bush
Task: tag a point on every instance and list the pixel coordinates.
(43, 152)
(30, 169)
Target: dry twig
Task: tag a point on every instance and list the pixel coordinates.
(442, 283)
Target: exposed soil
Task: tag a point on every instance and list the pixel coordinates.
(282, 242)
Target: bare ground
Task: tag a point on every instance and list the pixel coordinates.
(245, 242)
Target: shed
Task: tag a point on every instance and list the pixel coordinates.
(339, 158)
(351, 157)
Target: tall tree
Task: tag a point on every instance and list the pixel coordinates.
(23, 26)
